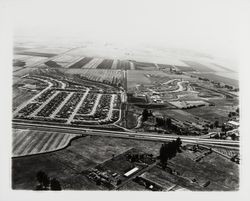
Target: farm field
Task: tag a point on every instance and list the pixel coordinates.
(99, 75)
(29, 60)
(81, 63)
(218, 112)
(27, 142)
(36, 54)
(147, 77)
(106, 64)
(212, 114)
(21, 93)
(22, 72)
(20, 96)
(144, 66)
(84, 153)
(221, 172)
(67, 164)
(198, 66)
(227, 78)
(63, 60)
(185, 68)
(182, 115)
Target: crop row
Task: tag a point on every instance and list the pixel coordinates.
(101, 75)
(124, 65)
(106, 64)
(81, 63)
(143, 64)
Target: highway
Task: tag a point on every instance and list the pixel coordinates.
(128, 135)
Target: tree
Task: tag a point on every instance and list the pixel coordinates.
(169, 122)
(169, 150)
(43, 179)
(223, 128)
(237, 110)
(40, 176)
(145, 115)
(216, 124)
(55, 185)
(211, 126)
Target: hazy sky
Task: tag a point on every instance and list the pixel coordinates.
(209, 26)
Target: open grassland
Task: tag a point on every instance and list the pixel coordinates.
(27, 142)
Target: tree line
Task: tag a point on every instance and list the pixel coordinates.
(47, 183)
(169, 151)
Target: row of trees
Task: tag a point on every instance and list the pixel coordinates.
(163, 122)
(168, 151)
(46, 183)
(146, 114)
(166, 123)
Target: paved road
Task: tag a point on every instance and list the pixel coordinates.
(129, 135)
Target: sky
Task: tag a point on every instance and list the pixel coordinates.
(207, 26)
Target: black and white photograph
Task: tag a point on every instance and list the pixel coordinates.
(124, 96)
